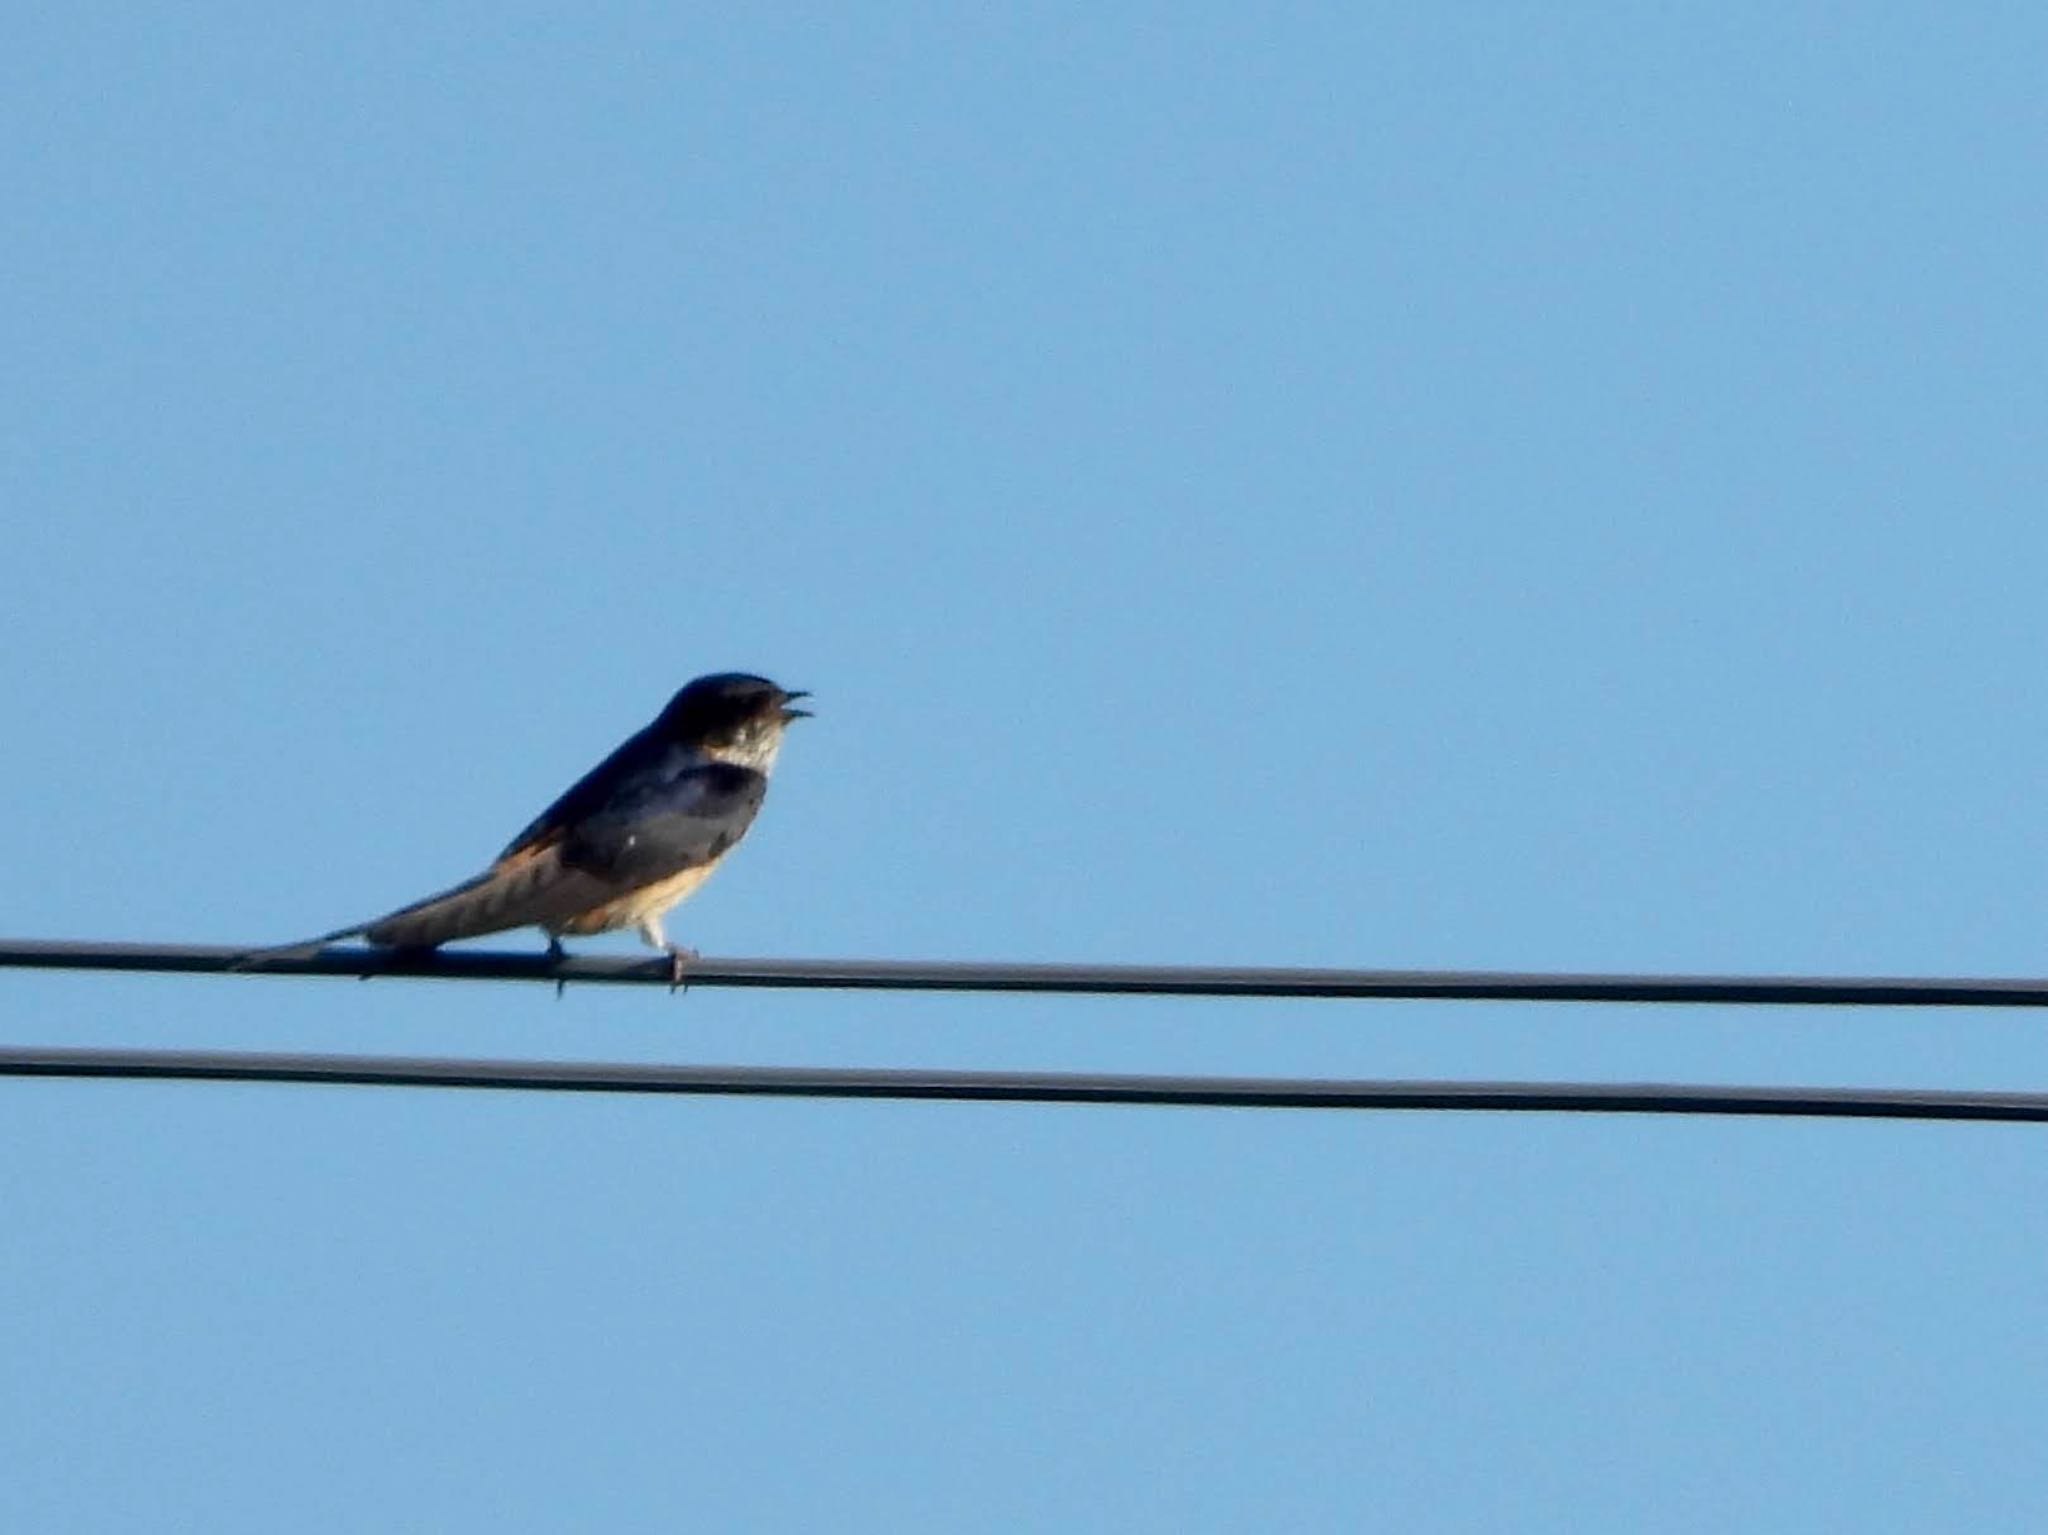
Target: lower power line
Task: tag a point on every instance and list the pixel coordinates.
(1024, 1087)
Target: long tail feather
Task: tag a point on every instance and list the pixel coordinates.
(306, 948)
(538, 890)
(535, 890)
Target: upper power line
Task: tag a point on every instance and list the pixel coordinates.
(1111, 980)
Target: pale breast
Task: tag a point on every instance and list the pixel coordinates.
(635, 907)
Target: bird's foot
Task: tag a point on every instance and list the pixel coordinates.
(679, 961)
(556, 954)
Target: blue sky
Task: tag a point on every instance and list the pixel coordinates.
(1509, 487)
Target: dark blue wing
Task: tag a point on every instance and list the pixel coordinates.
(638, 755)
(660, 823)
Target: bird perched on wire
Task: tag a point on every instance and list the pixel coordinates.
(627, 841)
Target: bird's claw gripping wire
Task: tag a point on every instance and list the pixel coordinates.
(556, 954)
(679, 961)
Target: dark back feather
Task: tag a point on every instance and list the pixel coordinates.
(664, 824)
(639, 754)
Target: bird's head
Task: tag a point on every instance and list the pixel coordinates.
(733, 717)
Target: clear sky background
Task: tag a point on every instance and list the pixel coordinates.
(1385, 485)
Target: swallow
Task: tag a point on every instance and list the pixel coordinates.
(624, 843)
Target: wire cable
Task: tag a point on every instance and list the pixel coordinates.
(1024, 1087)
(1101, 980)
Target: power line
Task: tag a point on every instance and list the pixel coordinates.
(1023, 1087)
(1111, 980)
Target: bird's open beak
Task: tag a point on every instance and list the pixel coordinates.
(794, 714)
